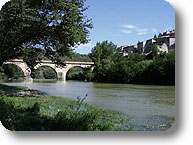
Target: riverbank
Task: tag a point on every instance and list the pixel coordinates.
(23, 109)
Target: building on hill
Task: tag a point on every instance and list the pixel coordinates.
(149, 45)
(128, 50)
(141, 47)
(165, 43)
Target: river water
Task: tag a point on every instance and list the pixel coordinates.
(148, 106)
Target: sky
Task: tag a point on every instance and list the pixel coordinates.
(125, 22)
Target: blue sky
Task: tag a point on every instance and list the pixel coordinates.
(125, 22)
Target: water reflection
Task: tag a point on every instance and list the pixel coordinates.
(55, 81)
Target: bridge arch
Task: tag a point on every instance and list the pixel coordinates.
(61, 71)
(69, 67)
(42, 65)
(25, 69)
(75, 66)
(48, 66)
(13, 71)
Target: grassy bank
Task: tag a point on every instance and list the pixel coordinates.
(25, 109)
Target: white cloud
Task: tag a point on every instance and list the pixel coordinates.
(154, 30)
(129, 26)
(88, 45)
(126, 31)
(84, 48)
(142, 31)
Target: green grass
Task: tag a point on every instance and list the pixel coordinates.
(11, 88)
(44, 112)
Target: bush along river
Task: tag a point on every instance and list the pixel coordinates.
(149, 107)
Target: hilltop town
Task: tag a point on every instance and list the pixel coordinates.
(165, 42)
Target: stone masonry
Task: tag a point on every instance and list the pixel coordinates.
(165, 43)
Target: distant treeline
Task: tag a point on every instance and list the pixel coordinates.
(77, 57)
(111, 66)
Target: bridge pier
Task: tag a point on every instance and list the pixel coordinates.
(61, 76)
(60, 71)
(28, 79)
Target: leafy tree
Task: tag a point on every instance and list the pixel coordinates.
(36, 29)
(154, 54)
(102, 55)
(3, 76)
(136, 57)
(156, 68)
(10, 71)
(45, 72)
(119, 69)
(75, 73)
(77, 57)
(88, 74)
(158, 71)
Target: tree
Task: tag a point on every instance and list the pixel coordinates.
(11, 71)
(154, 54)
(88, 74)
(136, 57)
(37, 29)
(158, 71)
(102, 55)
(120, 69)
(45, 72)
(77, 57)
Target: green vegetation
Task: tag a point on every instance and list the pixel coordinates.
(111, 66)
(10, 72)
(48, 113)
(10, 89)
(80, 74)
(102, 55)
(45, 72)
(77, 57)
(75, 74)
(159, 71)
(37, 29)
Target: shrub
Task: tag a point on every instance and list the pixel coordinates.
(75, 117)
(7, 113)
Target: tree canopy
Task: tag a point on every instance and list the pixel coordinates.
(112, 66)
(102, 55)
(36, 29)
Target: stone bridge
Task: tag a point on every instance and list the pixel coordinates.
(60, 71)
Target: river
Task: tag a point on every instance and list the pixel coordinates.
(148, 106)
